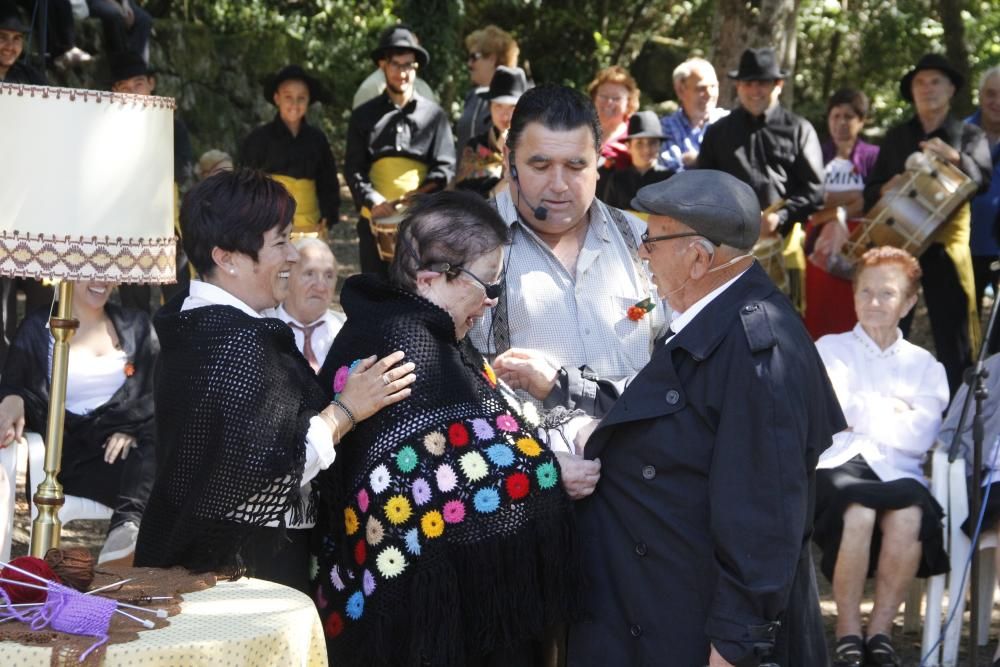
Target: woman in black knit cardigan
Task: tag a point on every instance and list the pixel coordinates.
(450, 538)
(242, 425)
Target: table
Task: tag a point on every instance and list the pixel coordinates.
(245, 623)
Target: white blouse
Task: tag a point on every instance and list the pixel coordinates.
(870, 383)
(91, 381)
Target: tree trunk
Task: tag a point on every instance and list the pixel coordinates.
(957, 52)
(743, 24)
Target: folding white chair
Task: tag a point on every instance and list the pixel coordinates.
(75, 507)
(956, 506)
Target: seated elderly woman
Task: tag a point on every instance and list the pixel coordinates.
(874, 514)
(449, 534)
(242, 425)
(108, 443)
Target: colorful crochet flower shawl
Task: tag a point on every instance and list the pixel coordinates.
(449, 534)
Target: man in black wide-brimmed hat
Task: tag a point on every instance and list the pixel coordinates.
(399, 144)
(948, 283)
(768, 147)
(296, 153)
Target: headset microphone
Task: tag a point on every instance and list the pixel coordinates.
(540, 212)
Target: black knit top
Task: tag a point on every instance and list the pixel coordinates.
(449, 533)
(233, 401)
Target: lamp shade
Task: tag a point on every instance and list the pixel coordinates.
(87, 189)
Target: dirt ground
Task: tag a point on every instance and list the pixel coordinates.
(343, 240)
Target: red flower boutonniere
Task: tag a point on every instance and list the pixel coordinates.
(639, 310)
(129, 369)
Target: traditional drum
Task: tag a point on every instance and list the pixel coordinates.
(908, 215)
(771, 255)
(384, 230)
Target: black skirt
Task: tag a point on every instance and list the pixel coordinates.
(856, 482)
(992, 514)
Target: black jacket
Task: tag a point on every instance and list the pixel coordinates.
(777, 154)
(129, 411)
(699, 529)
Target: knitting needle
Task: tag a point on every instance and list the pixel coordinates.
(160, 613)
(143, 622)
(46, 581)
(107, 586)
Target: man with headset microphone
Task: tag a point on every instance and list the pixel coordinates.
(578, 300)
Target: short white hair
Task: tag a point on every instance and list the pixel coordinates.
(686, 68)
(988, 74)
(305, 242)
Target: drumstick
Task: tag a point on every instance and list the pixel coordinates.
(775, 207)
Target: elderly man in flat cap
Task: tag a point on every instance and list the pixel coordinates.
(948, 281)
(696, 536)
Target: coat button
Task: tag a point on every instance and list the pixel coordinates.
(648, 472)
(750, 308)
(640, 549)
(635, 630)
(673, 396)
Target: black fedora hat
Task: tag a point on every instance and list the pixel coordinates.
(506, 86)
(10, 19)
(294, 73)
(645, 124)
(758, 65)
(126, 65)
(400, 37)
(930, 61)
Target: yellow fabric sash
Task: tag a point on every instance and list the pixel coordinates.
(793, 251)
(954, 236)
(395, 176)
(303, 191)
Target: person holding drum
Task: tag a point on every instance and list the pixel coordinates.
(849, 160)
(874, 515)
(295, 153)
(948, 284)
(777, 153)
(398, 144)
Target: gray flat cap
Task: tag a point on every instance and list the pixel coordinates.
(720, 207)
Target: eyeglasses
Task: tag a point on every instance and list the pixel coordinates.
(611, 99)
(403, 68)
(648, 241)
(474, 56)
(492, 290)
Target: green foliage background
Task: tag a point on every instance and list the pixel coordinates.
(868, 44)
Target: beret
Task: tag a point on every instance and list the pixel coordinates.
(717, 205)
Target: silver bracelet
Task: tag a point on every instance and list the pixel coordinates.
(347, 411)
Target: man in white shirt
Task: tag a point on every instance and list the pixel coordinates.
(572, 271)
(312, 282)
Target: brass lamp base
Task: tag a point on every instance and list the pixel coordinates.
(46, 528)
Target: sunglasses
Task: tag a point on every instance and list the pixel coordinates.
(492, 290)
(474, 56)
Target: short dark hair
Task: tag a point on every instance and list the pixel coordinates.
(556, 108)
(851, 97)
(454, 226)
(232, 210)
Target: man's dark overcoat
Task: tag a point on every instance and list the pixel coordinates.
(698, 530)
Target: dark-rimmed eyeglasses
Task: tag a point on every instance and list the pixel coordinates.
(403, 68)
(648, 241)
(492, 290)
(474, 56)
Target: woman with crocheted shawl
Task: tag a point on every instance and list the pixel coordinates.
(242, 425)
(450, 536)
